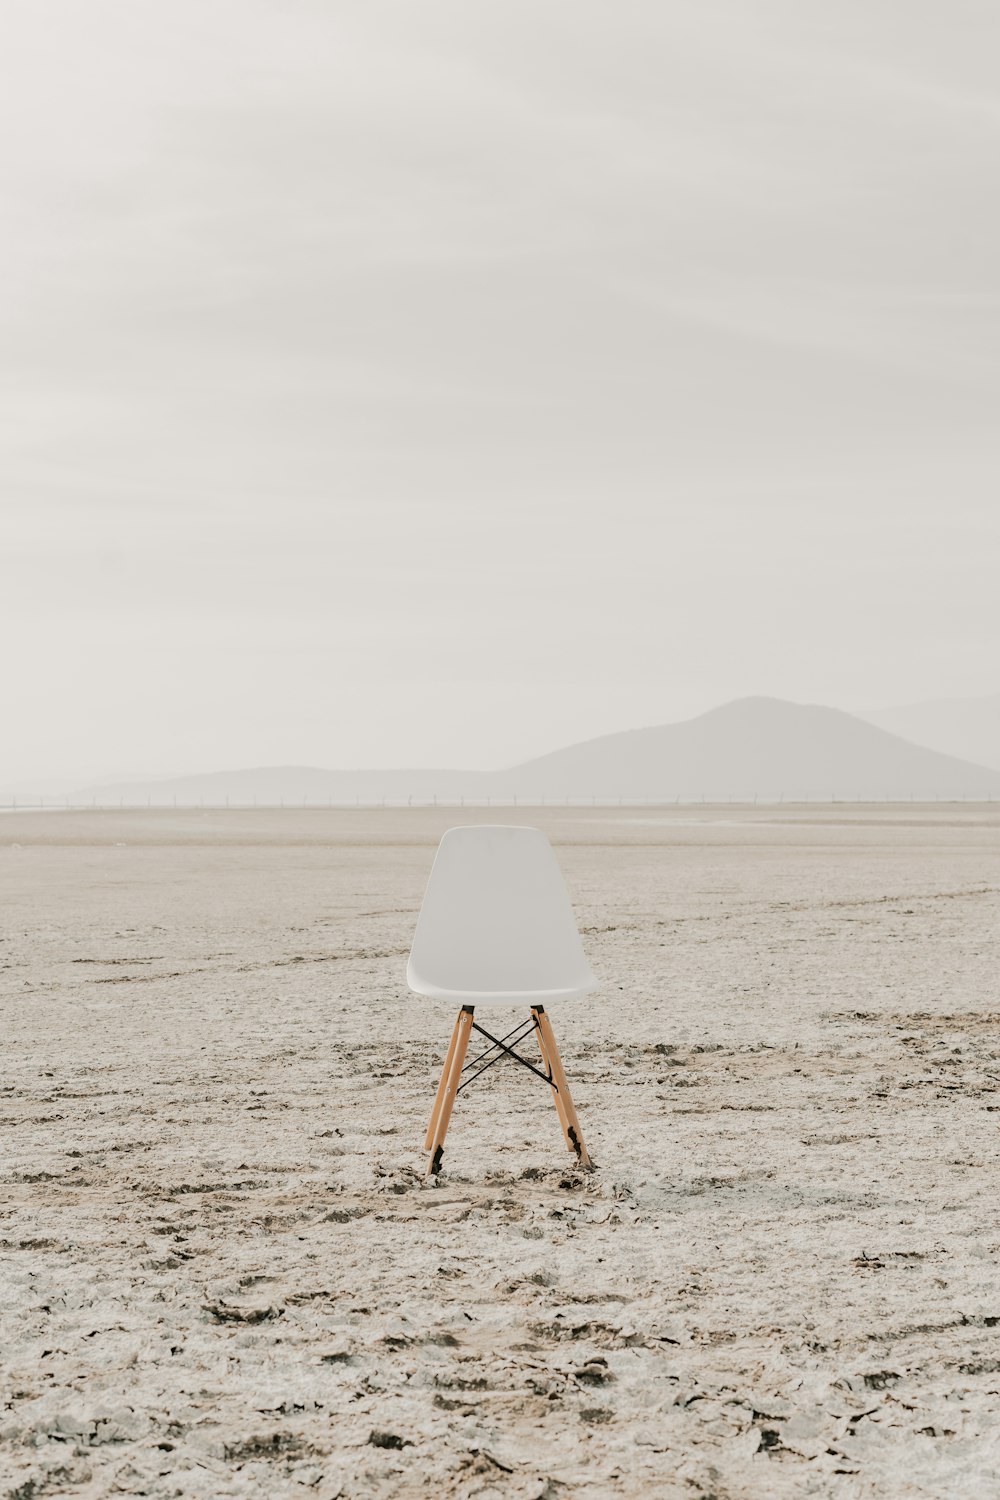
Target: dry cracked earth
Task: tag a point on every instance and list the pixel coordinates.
(223, 1272)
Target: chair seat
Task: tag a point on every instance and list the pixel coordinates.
(496, 926)
(421, 986)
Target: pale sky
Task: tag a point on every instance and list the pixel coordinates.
(439, 383)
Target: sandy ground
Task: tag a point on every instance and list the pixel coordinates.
(223, 1274)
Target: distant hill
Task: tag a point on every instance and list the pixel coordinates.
(967, 727)
(752, 748)
(292, 786)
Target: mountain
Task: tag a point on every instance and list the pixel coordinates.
(967, 727)
(291, 786)
(754, 747)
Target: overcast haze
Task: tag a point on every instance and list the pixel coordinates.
(439, 384)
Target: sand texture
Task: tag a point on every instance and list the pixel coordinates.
(223, 1274)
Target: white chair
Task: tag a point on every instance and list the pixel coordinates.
(496, 928)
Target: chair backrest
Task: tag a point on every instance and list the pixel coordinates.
(496, 922)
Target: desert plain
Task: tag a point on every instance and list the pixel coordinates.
(223, 1271)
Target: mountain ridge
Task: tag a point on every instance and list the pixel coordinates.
(750, 748)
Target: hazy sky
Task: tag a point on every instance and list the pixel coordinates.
(438, 383)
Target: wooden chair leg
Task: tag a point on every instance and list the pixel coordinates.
(556, 1096)
(464, 1032)
(559, 1079)
(445, 1071)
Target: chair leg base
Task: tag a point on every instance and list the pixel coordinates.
(443, 1085)
(454, 1066)
(560, 1087)
(557, 1098)
(448, 1089)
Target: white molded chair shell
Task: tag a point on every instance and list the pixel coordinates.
(496, 925)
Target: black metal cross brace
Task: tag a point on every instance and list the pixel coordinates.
(524, 1029)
